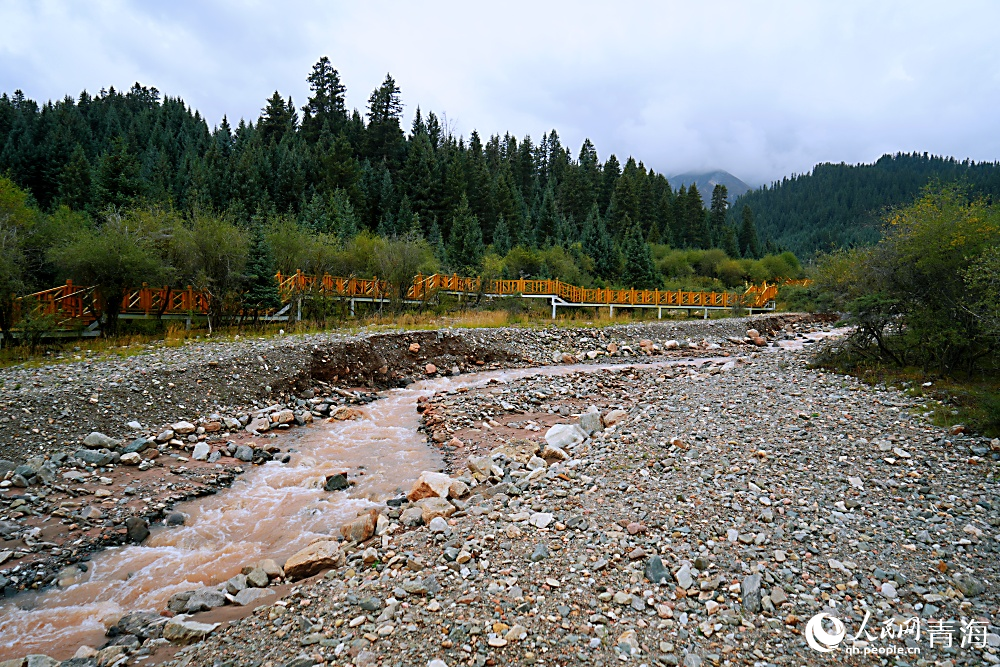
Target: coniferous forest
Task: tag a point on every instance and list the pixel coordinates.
(841, 205)
(319, 187)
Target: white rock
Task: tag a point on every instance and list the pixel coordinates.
(541, 519)
(565, 435)
(201, 452)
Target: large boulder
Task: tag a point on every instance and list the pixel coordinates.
(590, 422)
(137, 528)
(361, 528)
(482, 467)
(614, 416)
(314, 558)
(430, 485)
(565, 435)
(435, 507)
(250, 596)
(179, 630)
(94, 457)
(183, 428)
(97, 440)
(205, 599)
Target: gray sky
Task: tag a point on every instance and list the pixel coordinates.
(761, 89)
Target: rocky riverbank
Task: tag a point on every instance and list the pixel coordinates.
(689, 514)
(697, 515)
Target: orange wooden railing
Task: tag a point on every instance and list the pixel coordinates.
(754, 297)
(75, 305)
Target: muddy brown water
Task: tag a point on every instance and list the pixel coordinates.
(270, 512)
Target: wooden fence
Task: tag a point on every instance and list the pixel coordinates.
(75, 306)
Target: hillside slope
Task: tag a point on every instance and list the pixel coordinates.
(839, 205)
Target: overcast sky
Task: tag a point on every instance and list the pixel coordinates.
(761, 89)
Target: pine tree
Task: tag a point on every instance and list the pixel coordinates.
(436, 239)
(76, 187)
(729, 242)
(118, 182)
(276, 119)
(260, 288)
(465, 245)
(547, 221)
(695, 220)
(315, 215)
(326, 105)
(600, 246)
(344, 221)
(717, 213)
(501, 237)
(639, 270)
(749, 244)
(384, 134)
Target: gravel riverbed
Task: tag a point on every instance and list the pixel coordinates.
(685, 514)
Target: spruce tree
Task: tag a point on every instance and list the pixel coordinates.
(639, 270)
(501, 237)
(436, 239)
(749, 244)
(465, 245)
(315, 215)
(260, 288)
(729, 242)
(326, 105)
(601, 247)
(695, 221)
(118, 179)
(76, 187)
(717, 213)
(276, 119)
(344, 221)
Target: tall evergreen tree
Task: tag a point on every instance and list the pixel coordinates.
(717, 213)
(639, 270)
(749, 245)
(76, 186)
(730, 244)
(465, 244)
(260, 289)
(695, 221)
(118, 182)
(344, 221)
(384, 134)
(599, 244)
(277, 118)
(326, 104)
(501, 237)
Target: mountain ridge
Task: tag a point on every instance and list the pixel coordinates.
(706, 181)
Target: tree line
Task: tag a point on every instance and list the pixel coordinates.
(842, 205)
(119, 188)
(340, 171)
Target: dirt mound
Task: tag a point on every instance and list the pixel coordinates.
(395, 360)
